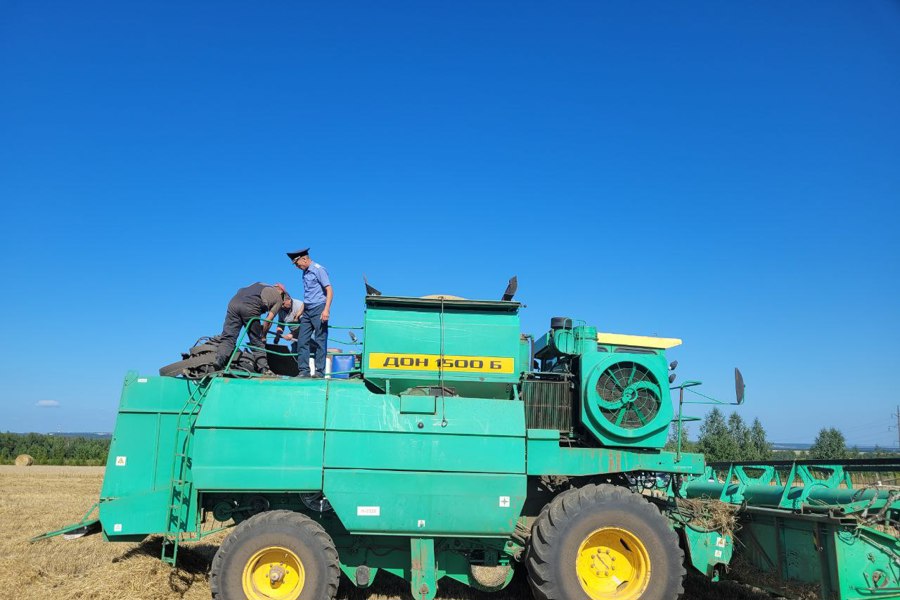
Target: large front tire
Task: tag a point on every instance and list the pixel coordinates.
(604, 542)
(276, 555)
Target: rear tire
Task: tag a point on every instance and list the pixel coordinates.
(200, 360)
(604, 543)
(288, 546)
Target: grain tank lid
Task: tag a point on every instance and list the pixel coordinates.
(637, 341)
(445, 301)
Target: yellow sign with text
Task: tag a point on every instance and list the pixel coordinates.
(446, 363)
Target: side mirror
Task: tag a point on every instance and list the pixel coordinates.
(739, 385)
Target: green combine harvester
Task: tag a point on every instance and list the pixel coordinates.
(460, 448)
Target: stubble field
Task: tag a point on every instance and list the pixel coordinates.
(38, 499)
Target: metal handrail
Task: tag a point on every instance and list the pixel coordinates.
(240, 344)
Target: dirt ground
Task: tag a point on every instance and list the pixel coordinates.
(38, 499)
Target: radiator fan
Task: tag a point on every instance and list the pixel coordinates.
(628, 395)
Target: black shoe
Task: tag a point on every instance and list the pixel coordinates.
(304, 375)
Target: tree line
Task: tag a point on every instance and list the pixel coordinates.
(732, 440)
(54, 449)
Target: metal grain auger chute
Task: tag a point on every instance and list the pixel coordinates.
(455, 446)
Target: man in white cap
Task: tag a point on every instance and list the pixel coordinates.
(317, 296)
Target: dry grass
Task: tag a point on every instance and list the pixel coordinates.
(710, 514)
(38, 499)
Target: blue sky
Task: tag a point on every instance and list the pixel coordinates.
(725, 173)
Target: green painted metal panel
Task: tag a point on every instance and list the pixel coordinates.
(708, 551)
(431, 451)
(351, 407)
(370, 431)
(840, 561)
(790, 550)
(264, 404)
(140, 454)
(422, 331)
(426, 503)
(135, 514)
(423, 576)
(258, 459)
(153, 394)
(423, 405)
(255, 434)
(547, 457)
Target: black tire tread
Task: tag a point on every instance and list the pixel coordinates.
(542, 549)
(285, 519)
(176, 368)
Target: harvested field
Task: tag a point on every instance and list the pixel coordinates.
(38, 499)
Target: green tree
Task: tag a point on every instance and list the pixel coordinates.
(686, 444)
(715, 440)
(760, 447)
(829, 445)
(53, 449)
(740, 435)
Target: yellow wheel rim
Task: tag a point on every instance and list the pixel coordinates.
(273, 573)
(612, 563)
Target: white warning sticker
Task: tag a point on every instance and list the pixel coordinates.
(121, 460)
(142, 380)
(718, 553)
(368, 511)
(421, 524)
(504, 501)
(720, 542)
(117, 527)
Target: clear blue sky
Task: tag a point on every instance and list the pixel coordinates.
(722, 172)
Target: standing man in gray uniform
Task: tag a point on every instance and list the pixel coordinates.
(317, 297)
(251, 302)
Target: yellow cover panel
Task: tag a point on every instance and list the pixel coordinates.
(638, 341)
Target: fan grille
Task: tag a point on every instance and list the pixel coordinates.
(629, 395)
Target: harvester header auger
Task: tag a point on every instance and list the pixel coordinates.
(452, 446)
(827, 528)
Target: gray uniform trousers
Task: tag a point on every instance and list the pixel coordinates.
(313, 332)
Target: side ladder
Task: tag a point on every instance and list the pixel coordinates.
(181, 484)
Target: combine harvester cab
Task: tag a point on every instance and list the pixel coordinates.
(460, 448)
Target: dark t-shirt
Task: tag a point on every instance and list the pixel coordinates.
(260, 298)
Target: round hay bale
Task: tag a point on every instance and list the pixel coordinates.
(24, 460)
